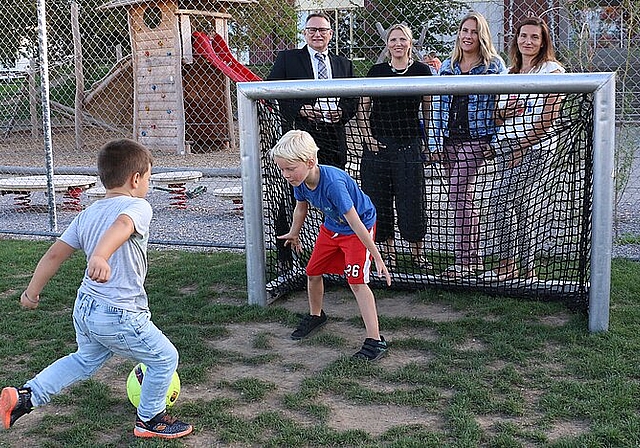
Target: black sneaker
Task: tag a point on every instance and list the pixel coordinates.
(14, 403)
(163, 426)
(308, 325)
(372, 350)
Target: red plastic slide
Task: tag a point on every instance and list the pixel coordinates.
(217, 52)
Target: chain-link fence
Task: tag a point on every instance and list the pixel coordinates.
(164, 73)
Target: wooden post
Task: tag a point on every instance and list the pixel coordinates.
(77, 49)
(223, 30)
(185, 39)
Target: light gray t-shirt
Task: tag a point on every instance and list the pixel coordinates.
(125, 288)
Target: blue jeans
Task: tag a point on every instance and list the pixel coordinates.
(102, 331)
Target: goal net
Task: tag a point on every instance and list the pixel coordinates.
(505, 212)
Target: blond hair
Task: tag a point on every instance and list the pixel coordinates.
(487, 50)
(404, 29)
(295, 146)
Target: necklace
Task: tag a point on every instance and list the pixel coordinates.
(399, 71)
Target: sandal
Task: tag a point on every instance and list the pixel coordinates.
(496, 275)
(389, 259)
(421, 262)
(459, 271)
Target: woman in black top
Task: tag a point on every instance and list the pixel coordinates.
(393, 151)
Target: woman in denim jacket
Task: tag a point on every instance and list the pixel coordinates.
(466, 125)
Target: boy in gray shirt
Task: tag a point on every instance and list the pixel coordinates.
(111, 313)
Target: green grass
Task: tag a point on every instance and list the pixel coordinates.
(628, 238)
(500, 373)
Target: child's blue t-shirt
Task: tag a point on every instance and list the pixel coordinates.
(334, 196)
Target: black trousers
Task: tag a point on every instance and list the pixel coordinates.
(394, 180)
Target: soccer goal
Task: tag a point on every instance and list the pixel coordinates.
(544, 206)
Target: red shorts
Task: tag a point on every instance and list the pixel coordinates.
(341, 254)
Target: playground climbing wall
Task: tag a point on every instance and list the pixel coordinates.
(158, 107)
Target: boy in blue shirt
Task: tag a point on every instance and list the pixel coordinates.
(111, 311)
(345, 244)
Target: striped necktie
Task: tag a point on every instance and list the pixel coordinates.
(322, 67)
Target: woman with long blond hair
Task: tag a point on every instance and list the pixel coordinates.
(466, 125)
(393, 152)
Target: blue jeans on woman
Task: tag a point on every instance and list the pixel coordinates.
(101, 331)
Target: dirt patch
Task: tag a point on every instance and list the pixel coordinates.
(339, 304)
(376, 419)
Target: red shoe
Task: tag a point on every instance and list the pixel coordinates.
(14, 403)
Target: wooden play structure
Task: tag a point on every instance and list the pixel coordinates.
(181, 98)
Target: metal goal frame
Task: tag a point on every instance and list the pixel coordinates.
(601, 85)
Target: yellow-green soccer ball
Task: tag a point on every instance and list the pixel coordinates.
(134, 385)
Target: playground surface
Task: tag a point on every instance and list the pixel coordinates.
(30, 153)
(209, 219)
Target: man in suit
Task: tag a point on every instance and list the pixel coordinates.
(323, 118)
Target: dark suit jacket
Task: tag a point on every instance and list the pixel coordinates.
(296, 64)
(330, 138)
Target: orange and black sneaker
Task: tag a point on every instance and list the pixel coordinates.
(14, 403)
(163, 426)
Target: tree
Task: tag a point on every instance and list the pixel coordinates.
(99, 28)
(439, 17)
(263, 28)
(18, 21)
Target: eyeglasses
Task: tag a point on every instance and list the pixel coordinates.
(313, 30)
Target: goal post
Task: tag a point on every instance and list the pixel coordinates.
(602, 210)
(588, 252)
